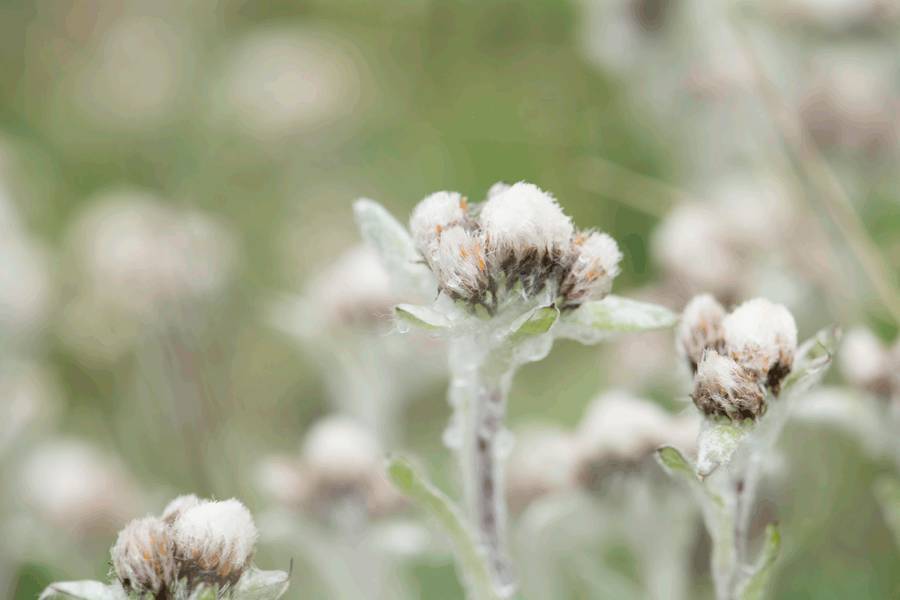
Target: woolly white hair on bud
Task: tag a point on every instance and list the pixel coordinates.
(723, 387)
(701, 328)
(143, 557)
(762, 337)
(524, 218)
(497, 189)
(461, 263)
(433, 215)
(215, 538)
(340, 452)
(865, 361)
(177, 506)
(596, 264)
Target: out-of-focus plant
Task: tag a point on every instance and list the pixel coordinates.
(747, 372)
(511, 275)
(197, 550)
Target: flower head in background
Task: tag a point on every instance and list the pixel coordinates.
(518, 243)
(867, 363)
(741, 355)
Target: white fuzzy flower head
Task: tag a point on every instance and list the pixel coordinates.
(214, 541)
(701, 329)
(177, 506)
(595, 264)
(434, 214)
(143, 558)
(340, 453)
(517, 244)
(522, 221)
(762, 337)
(722, 387)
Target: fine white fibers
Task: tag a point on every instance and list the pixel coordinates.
(143, 556)
(724, 387)
(461, 262)
(524, 218)
(177, 506)
(700, 328)
(596, 265)
(717, 371)
(760, 334)
(434, 214)
(339, 451)
(218, 536)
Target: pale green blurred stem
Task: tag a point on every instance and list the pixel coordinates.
(481, 377)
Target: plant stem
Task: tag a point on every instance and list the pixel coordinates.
(480, 386)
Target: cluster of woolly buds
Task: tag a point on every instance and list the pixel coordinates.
(866, 362)
(616, 437)
(737, 357)
(518, 240)
(195, 542)
(619, 432)
(341, 463)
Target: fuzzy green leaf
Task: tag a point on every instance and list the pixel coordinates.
(754, 588)
(424, 317)
(395, 247)
(434, 502)
(717, 443)
(674, 461)
(594, 321)
(538, 322)
(813, 358)
(83, 590)
(261, 585)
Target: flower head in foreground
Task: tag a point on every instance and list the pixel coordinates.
(196, 542)
(737, 357)
(518, 242)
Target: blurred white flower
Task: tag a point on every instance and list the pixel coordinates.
(543, 461)
(75, 488)
(30, 397)
(277, 83)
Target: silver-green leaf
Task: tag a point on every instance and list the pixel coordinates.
(718, 441)
(887, 491)
(538, 322)
(261, 585)
(424, 317)
(754, 588)
(813, 358)
(83, 590)
(395, 247)
(594, 321)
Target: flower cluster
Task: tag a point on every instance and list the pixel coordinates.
(736, 358)
(617, 435)
(195, 543)
(341, 462)
(518, 241)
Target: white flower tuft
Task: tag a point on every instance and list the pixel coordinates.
(596, 264)
(432, 216)
(701, 329)
(339, 452)
(143, 558)
(523, 219)
(724, 387)
(497, 189)
(177, 506)
(462, 268)
(762, 337)
(216, 538)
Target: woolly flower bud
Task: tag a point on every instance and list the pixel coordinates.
(596, 259)
(341, 453)
(522, 220)
(723, 387)
(701, 329)
(432, 216)
(177, 506)
(143, 557)
(462, 268)
(762, 337)
(215, 541)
